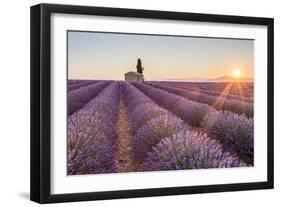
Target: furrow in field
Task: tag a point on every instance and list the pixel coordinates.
(123, 154)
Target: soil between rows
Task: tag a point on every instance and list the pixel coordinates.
(123, 155)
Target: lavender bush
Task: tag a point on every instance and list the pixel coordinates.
(219, 103)
(74, 81)
(78, 84)
(153, 131)
(141, 108)
(79, 97)
(189, 150)
(144, 113)
(235, 131)
(232, 88)
(92, 134)
(190, 111)
(150, 122)
(196, 89)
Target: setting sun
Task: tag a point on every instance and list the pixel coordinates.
(236, 74)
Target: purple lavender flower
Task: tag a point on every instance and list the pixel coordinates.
(189, 150)
(190, 111)
(200, 88)
(78, 84)
(219, 103)
(235, 131)
(79, 97)
(150, 122)
(92, 134)
(153, 131)
(144, 113)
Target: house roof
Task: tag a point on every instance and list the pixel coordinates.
(135, 73)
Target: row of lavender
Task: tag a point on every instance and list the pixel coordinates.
(79, 97)
(71, 82)
(92, 133)
(164, 142)
(78, 84)
(219, 103)
(226, 93)
(234, 131)
(234, 88)
(74, 81)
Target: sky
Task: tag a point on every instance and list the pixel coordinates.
(104, 56)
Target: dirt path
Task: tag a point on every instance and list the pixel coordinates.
(123, 156)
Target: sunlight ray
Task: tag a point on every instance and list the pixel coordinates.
(221, 98)
(241, 93)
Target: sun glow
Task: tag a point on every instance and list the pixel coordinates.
(236, 74)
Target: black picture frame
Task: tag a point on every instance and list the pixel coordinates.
(41, 99)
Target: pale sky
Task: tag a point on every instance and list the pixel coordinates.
(93, 55)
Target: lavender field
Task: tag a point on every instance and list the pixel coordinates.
(121, 126)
